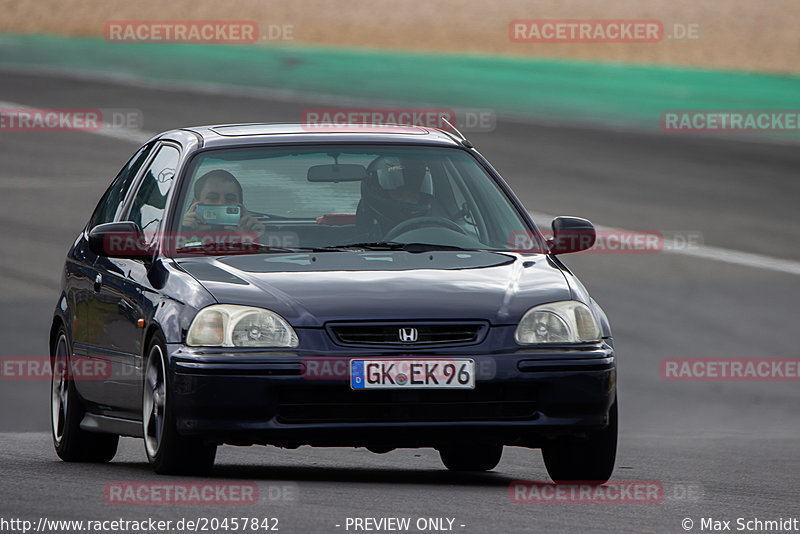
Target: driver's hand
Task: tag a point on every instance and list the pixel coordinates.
(192, 220)
(248, 223)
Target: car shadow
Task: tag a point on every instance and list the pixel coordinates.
(358, 475)
(387, 475)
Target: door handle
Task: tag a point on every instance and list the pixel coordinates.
(98, 282)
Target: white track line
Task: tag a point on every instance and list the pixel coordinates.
(733, 257)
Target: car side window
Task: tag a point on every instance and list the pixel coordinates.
(113, 199)
(147, 208)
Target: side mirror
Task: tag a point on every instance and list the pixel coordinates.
(118, 240)
(571, 234)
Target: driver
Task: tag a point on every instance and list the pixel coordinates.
(395, 190)
(219, 188)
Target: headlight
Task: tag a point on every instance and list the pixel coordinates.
(226, 325)
(568, 321)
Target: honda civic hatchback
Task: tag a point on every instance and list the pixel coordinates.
(283, 285)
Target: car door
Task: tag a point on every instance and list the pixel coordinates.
(125, 298)
(82, 274)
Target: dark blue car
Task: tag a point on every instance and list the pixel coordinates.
(283, 285)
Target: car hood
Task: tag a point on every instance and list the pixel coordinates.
(312, 289)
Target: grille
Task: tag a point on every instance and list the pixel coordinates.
(425, 334)
(488, 402)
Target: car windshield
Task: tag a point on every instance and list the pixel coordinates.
(338, 197)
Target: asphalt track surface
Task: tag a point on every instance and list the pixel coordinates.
(721, 450)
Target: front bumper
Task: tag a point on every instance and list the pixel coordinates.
(520, 398)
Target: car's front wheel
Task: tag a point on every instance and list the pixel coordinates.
(168, 452)
(472, 457)
(72, 443)
(589, 460)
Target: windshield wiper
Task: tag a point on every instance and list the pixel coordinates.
(374, 245)
(393, 245)
(212, 249)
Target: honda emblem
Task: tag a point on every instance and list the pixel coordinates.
(408, 335)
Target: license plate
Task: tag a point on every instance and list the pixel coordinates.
(408, 374)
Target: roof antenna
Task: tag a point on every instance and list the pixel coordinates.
(464, 140)
(453, 128)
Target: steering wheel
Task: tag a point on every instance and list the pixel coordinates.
(422, 222)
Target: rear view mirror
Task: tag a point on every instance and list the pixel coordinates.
(571, 234)
(337, 172)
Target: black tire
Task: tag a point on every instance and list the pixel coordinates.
(471, 458)
(588, 460)
(167, 451)
(72, 444)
